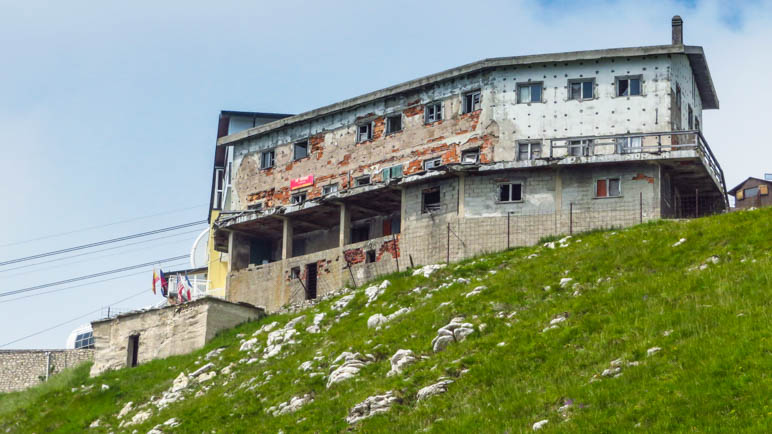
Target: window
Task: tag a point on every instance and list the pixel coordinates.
(626, 145)
(528, 151)
(297, 199)
(370, 256)
(393, 172)
(607, 187)
(219, 188)
(470, 156)
(360, 233)
(581, 89)
(84, 340)
(529, 92)
(432, 163)
(295, 273)
(472, 101)
(300, 150)
(628, 86)
(678, 96)
(364, 132)
(430, 200)
(255, 206)
(751, 192)
(690, 113)
(579, 148)
(393, 124)
(329, 189)
(266, 159)
(510, 192)
(362, 180)
(433, 112)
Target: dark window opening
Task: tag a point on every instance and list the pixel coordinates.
(393, 124)
(360, 233)
(690, 113)
(628, 86)
(329, 189)
(431, 201)
(297, 199)
(362, 180)
(295, 273)
(472, 102)
(311, 278)
(510, 192)
(581, 89)
(364, 132)
(529, 151)
(432, 163)
(300, 150)
(266, 159)
(132, 358)
(530, 92)
(370, 256)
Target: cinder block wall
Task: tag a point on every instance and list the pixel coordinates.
(20, 369)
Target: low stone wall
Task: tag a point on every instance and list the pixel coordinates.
(20, 369)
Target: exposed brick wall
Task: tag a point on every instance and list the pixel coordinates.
(20, 369)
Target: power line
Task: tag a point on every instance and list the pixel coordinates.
(45, 237)
(89, 276)
(93, 252)
(83, 284)
(69, 321)
(101, 243)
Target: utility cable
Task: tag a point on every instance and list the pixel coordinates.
(89, 276)
(101, 243)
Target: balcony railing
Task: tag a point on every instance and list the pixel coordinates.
(650, 143)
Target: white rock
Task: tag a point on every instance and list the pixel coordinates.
(140, 417)
(653, 350)
(434, 389)
(290, 406)
(202, 370)
(266, 328)
(557, 320)
(540, 424)
(270, 351)
(550, 245)
(476, 291)
(207, 376)
(180, 382)
(248, 345)
(214, 353)
(343, 302)
(306, 366)
(611, 371)
(376, 321)
(667, 332)
(94, 424)
(400, 360)
(462, 280)
(172, 423)
(714, 259)
(501, 344)
(105, 387)
(125, 410)
(456, 331)
(349, 369)
(565, 281)
(441, 342)
(679, 242)
(371, 406)
(156, 430)
(397, 313)
(427, 270)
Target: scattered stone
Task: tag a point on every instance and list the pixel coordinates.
(217, 351)
(540, 424)
(611, 372)
(171, 423)
(343, 302)
(714, 260)
(266, 328)
(476, 291)
(397, 313)
(207, 376)
(462, 280)
(248, 345)
(290, 406)
(352, 363)
(565, 281)
(445, 303)
(315, 327)
(202, 370)
(434, 389)
(679, 242)
(456, 331)
(125, 410)
(156, 430)
(138, 418)
(550, 245)
(652, 351)
(180, 382)
(105, 387)
(371, 406)
(501, 344)
(306, 366)
(376, 321)
(372, 292)
(667, 333)
(427, 270)
(532, 256)
(400, 360)
(94, 424)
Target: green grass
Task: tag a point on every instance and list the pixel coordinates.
(712, 374)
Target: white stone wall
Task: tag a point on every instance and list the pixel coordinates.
(20, 369)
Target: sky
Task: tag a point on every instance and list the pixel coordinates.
(108, 110)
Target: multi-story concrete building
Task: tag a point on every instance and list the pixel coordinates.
(477, 158)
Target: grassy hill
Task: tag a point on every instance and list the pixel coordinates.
(650, 334)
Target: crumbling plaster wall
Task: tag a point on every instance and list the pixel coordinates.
(681, 73)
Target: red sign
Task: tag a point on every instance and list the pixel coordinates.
(301, 182)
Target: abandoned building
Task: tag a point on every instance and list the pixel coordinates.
(752, 193)
(474, 159)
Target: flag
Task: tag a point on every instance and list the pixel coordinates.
(180, 288)
(164, 283)
(155, 279)
(187, 283)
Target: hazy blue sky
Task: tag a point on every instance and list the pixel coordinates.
(108, 110)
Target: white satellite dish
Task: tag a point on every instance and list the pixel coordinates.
(199, 253)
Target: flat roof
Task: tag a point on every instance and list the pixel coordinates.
(695, 54)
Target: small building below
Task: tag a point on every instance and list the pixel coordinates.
(137, 337)
(752, 193)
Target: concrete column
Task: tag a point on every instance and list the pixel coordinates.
(286, 239)
(345, 225)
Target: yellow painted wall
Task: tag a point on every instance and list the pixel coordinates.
(218, 269)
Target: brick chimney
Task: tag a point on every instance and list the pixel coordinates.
(678, 30)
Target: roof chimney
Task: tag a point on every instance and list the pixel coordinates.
(678, 30)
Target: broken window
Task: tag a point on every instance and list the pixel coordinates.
(581, 89)
(266, 159)
(628, 86)
(690, 113)
(329, 189)
(300, 150)
(370, 256)
(510, 192)
(432, 163)
(255, 206)
(364, 132)
(360, 233)
(607, 187)
(433, 112)
(393, 124)
(529, 92)
(626, 145)
(472, 101)
(362, 180)
(470, 156)
(393, 172)
(297, 199)
(295, 273)
(579, 148)
(430, 199)
(528, 151)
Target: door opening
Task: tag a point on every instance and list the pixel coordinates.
(133, 351)
(311, 274)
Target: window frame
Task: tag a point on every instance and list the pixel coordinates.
(470, 107)
(530, 144)
(434, 207)
(472, 151)
(302, 198)
(358, 181)
(438, 112)
(219, 188)
(628, 79)
(580, 82)
(272, 153)
(624, 145)
(746, 190)
(434, 166)
(327, 189)
(369, 135)
(584, 145)
(295, 145)
(530, 84)
(509, 188)
(389, 130)
(607, 180)
(388, 173)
